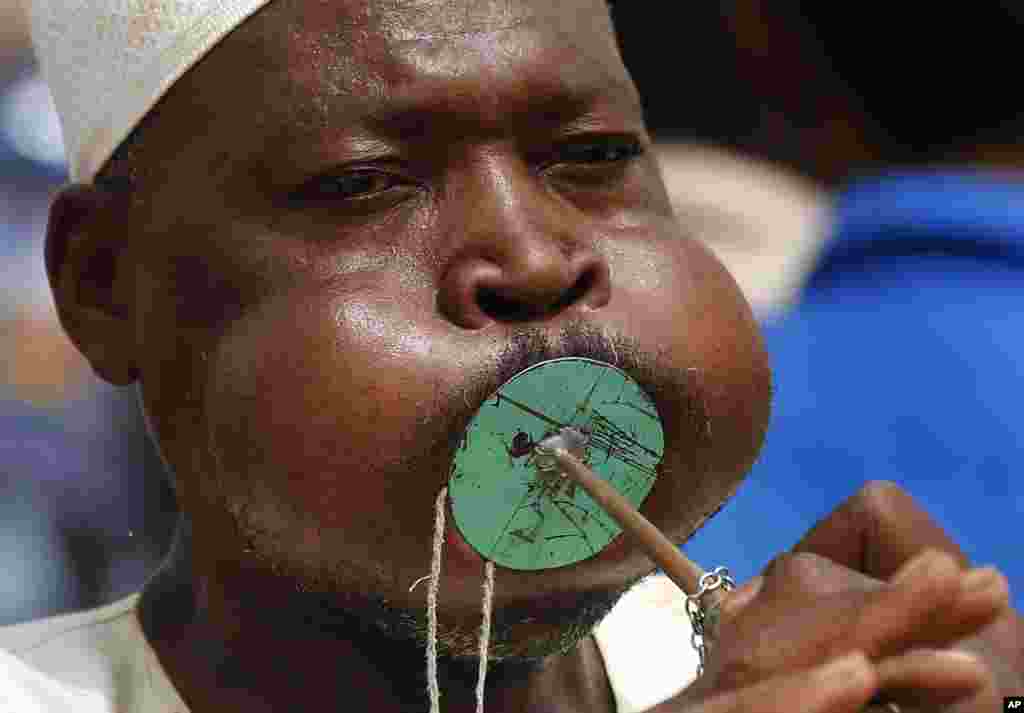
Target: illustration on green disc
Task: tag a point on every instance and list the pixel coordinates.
(524, 517)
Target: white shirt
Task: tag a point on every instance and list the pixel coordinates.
(99, 661)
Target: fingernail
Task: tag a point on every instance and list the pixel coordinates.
(851, 668)
(960, 656)
(920, 566)
(980, 579)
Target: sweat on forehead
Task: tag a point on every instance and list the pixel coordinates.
(457, 58)
(108, 64)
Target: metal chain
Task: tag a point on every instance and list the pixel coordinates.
(702, 620)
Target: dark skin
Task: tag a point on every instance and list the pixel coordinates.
(346, 226)
(877, 576)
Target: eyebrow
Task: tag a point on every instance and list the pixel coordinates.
(408, 115)
(402, 115)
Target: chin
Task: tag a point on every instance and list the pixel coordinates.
(530, 632)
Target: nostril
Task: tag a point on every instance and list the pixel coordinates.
(578, 291)
(505, 308)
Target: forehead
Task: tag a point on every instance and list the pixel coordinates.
(395, 37)
(310, 59)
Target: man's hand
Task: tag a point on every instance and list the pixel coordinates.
(879, 587)
(843, 685)
(879, 529)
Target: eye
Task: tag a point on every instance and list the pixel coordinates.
(354, 185)
(599, 162)
(600, 151)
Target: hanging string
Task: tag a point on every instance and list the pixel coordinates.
(487, 609)
(435, 583)
(485, 633)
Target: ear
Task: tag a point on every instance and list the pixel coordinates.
(90, 269)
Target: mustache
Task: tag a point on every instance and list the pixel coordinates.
(677, 394)
(528, 346)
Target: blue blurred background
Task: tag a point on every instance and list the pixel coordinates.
(889, 286)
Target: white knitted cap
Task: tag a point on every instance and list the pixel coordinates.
(109, 61)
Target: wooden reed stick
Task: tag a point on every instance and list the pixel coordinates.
(680, 569)
(677, 566)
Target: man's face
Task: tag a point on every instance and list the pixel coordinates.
(357, 219)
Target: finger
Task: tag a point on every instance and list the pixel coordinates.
(912, 611)
(876, 531)
(1000, 646)
(843, 685)
(931, 604)
(983, 598)
(988, 699)
(929, 678)
(983, 592)
(810, 574)
(778, 631)
(981, 589)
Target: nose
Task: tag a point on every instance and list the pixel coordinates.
(521, 256)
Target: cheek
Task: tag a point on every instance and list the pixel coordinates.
(733, 363)
(701, 317)
(682, 304)
(318, 399)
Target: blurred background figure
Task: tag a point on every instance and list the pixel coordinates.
(764, 218)
(765, 222)
(82, 518)
(900, 357)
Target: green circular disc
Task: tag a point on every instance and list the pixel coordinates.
(521, 518)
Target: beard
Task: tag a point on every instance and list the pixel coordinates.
(393, 639)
